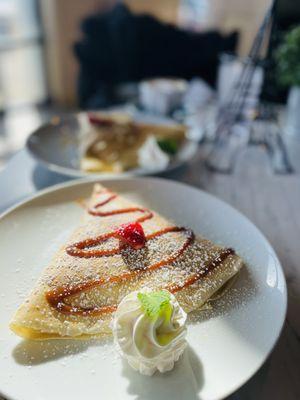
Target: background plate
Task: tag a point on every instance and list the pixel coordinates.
(226, 345)
(57, 146)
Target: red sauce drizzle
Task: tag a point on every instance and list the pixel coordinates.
(203, 272)
(56, 297)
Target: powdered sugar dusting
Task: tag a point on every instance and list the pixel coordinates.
(67, 270)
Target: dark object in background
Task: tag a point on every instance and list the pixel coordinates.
(287, 15)
(119, 47)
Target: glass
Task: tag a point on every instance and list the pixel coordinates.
(228, 80)
(238, 88)
(242, 120)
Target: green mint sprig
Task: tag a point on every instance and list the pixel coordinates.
(153, 303)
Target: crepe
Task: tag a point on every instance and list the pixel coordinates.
(88, 277)
(111, 142)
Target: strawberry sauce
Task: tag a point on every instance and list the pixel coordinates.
(132, 235)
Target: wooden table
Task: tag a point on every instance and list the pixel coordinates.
(271, 201)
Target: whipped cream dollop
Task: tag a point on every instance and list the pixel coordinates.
(151, 156)
(149, 330)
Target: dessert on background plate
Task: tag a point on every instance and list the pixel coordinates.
(114, 142)
(120, 247)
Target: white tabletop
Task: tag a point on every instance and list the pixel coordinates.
(271, 201)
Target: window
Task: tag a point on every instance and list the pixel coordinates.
(22, 77)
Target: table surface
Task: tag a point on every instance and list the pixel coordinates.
(271, 201)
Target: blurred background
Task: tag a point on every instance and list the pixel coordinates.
(62, 55)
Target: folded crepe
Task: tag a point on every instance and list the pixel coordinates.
(111, 141)
(88, 277)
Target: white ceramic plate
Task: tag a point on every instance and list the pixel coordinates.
(226, 345)
(56, 145)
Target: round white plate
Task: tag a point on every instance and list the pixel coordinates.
(56, 145)
(226, 345)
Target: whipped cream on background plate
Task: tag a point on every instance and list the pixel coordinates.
(149, 343)
(150, 155)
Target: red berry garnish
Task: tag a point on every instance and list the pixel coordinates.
(100, 121)
(132, 234)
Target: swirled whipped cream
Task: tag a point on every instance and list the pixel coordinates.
(151, 156)
(149, 330)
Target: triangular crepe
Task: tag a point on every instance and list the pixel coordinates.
(80, 289)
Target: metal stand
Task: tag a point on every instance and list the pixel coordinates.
(233, 127)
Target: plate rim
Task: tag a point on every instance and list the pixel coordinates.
(91, 180)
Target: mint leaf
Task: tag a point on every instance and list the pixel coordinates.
(154, 302)
(169, 146)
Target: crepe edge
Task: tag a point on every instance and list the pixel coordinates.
(30, 333)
